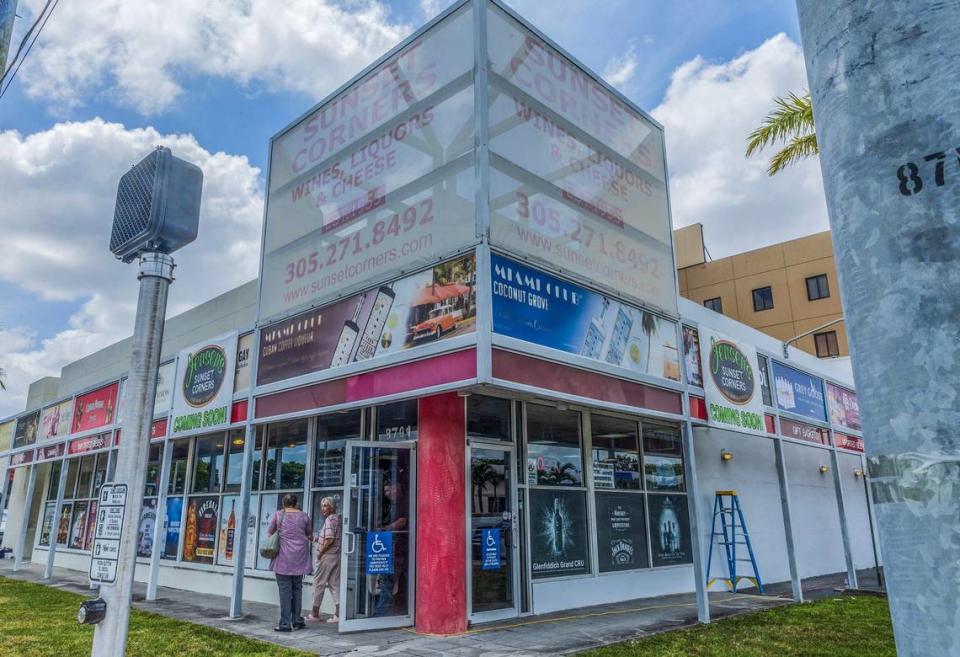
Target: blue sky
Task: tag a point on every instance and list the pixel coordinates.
(108, 79)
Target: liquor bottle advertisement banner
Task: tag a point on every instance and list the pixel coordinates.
(432, 305)
(55, 421)
(96, 409)
(536, 307)
(203, 387)
(799, 392)
(621, 531)
(172, 535)
(27, 427)
(201, 531)
(669, 530)
(844, 407)
(731, 383)
(558, 532)
(148, 519)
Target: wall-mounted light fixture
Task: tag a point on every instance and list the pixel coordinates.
(463, 393)
(725, 455)
(824, 469)
(857, 472)
(562, 407)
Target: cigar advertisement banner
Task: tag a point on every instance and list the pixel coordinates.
(420, 309)
(96, 409)
(731, 383)
(374, 182)
(536, 307)
(203, 387)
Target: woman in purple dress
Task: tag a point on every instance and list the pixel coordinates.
(292, 561)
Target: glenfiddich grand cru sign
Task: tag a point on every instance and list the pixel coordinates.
(204, 385)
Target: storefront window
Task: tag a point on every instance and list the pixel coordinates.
(397, 421)
(73, 471)
(85, 477)
(286, 455)
(235, 443)
(663, 458)
(554, 456)
(669, 529)
(54, 481)
(488, 417)
(152, 484)
(178, 467)
(616, 453)
(332, 433)
(46, 524)
(200, 537)
(208, 464)
(100, 473)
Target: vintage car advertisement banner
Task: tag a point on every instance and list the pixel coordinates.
(203, 387)
(731, 383)
(536, 307)
(426, 307)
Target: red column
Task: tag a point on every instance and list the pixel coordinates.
(441, 603)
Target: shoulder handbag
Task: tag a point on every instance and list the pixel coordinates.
(270, 547)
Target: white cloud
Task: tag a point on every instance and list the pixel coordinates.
(139, 52)
(430, 8)
(621, 69)
(55, 218)
(707, 112)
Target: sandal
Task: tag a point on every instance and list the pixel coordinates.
(333, 619)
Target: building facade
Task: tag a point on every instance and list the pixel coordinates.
(467, 333)
(785, 290)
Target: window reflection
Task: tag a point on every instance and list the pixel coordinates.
(286, 463)
(616, 453)
(553, 450)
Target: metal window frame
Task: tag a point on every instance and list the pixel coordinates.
(754, 292)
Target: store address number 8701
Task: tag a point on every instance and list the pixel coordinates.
(909, 173)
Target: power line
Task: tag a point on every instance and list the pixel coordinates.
(45, 15)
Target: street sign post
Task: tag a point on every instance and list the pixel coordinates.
(157, 212)
(109, 531)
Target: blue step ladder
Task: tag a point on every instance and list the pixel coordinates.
(732, 532)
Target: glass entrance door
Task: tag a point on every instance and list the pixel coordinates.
(493, 533)
(377, 558)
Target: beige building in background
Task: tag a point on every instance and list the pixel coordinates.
(784, 290)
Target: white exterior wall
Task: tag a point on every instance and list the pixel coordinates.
(753, 474)
(855, 499)
(816, 521)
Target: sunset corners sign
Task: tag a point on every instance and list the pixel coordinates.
(204, 385)
(731, 384)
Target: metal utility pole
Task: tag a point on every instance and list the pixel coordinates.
(8, 13)
(884, 76)
(156, 274)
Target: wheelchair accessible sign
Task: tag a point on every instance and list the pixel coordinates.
(491, 549)
(380, 553)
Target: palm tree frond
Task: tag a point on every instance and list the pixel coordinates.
(796, 150)
(792, 118)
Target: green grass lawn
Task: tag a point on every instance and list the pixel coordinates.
(835, 627)
(39, 621)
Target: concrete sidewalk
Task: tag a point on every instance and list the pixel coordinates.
(532, 636)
